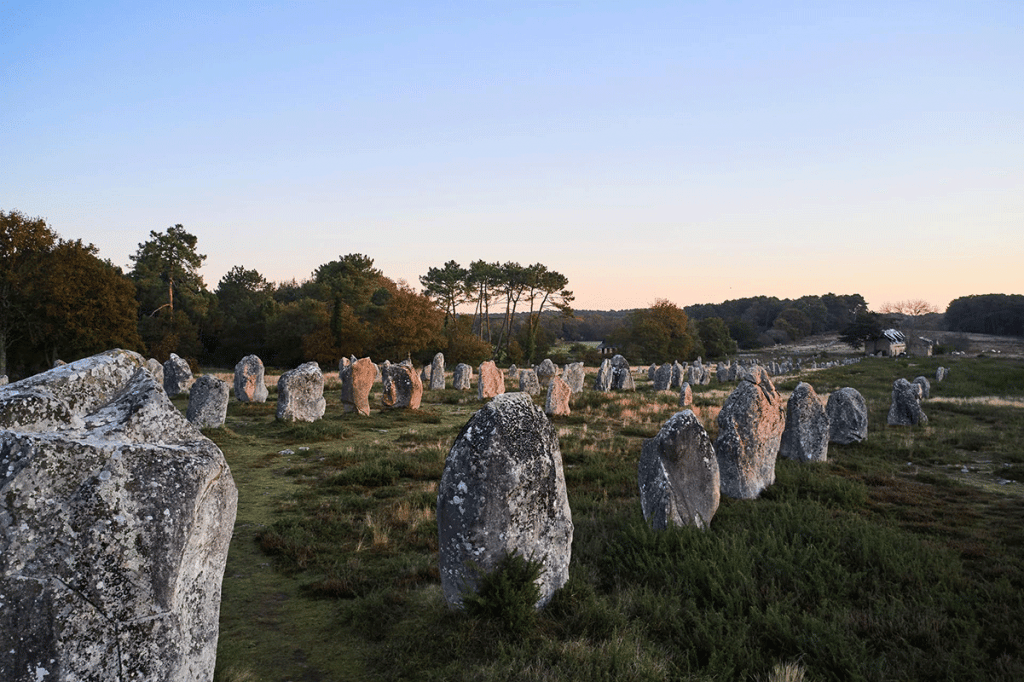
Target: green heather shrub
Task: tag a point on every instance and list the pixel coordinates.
(507, 595)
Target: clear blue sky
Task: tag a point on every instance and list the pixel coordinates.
(691, 151)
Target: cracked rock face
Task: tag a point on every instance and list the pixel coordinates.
(678, 475)
(503, 491)
(115, 520)
(750, 429)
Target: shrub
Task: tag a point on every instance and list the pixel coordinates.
(507, 595)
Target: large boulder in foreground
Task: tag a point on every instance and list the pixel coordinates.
(678, 475)
(805, 438)
(847, 416)
(503, 491)
(750, 429)
(115, 520)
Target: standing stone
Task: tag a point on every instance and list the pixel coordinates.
(677, 375)
(157, 370)
(300, 394)
(559, 393)
(513, 371)
(401, 387)
(4, 380)
(462, 377)
(926, 387)
(437, 373)
(342, 364)
(603, 382)
(622, 375)
(685, 395)
(678, 475)
(805, 437)
(503, 491)
(491, 382)
(663, 378)
(546, 371)
(177, 376)
(250, 385)
(847, 416)
(425, 375)
(528, 382)
(750, 428)
(905, 409)
(651, 371)
(208, 402)
(115, 519)
(940, 374)
(356, 384)
(574, 375)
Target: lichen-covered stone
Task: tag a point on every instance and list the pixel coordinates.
(557, 402)
(622, 374)
(574, 375)
(847, 416)
(157, 370)
(503, 491)
(250, 382)
(685, 395)
(208, 402)
(926, 387)
(402, 387)
(603, 380)
(492, 382)
(356, 383)
(661, 378)
(905, 409)
(437, 373)
(805, 438)
(750, 427)
(177, 376)
(528, 382)
(300, 394)
(545, 371)
(115, 520)
(678, 475)
(462, 377)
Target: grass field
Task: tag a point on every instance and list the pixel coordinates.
(901, 558)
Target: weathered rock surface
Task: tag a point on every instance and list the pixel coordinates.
(603, 381)
(300, 394)
(847, 416)
(208, 402)
(926, 387)
(750, 428)
(546, 370)
(678, 475)
(559, 394)
(941, 373)
(402, 388)
(685, 395)
(905, 409)
(574, 375)
(492, 382)
(528, 382)
(115, 520)
(356, 383)
(805, 437)
(462, 377)
(622, 374)
(662, 377)
(250, 384)
(503, 491)
(177, 376)
(437, 373)
(157, 370)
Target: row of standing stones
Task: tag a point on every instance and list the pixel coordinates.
(116, 512)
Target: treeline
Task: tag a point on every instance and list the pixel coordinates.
(999, 314)
(766, 320)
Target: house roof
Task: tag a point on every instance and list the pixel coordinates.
(894, 335)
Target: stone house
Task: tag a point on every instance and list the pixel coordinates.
(890, 343)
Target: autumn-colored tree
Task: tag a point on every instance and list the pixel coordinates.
(23, 244)
(408, 324)
(660, 333)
